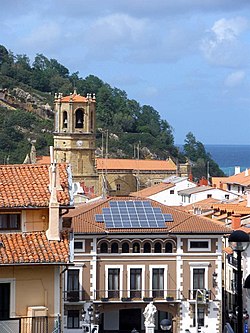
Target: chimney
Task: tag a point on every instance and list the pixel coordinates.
(53, 232)
(246, 172)
(236, 221)
(236, 170)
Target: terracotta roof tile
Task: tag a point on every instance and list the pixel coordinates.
(130, 164)
(146, 192)
(242, 178)
(27, 185)
(84, 220)
(75, 98)
(33, 248)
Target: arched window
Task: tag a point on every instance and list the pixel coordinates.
(65, 119)
(125, 247)
(147, 248)
(79, 118)
(114, 247)
(104, 247)
(168, 247)
(158, 247)
(136, 248)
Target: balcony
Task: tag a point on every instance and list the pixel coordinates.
(74, 296)
(138, 295)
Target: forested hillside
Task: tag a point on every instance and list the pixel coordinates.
(128, 123)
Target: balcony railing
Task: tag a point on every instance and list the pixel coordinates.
(201, 295)
(138, 295)
(75, 296)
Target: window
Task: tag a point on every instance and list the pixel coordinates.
(136, 248)
(125, 247)
(73, 285)
(79, 118)
(198, 245)
(147, 248)
(157, 247)
(135, 282)
(201, 316)
(171, 191)
(65, 119)
(4, 300)
(118, 187)
(209, 195)
(114, 247)
(73, 319)
(198, 280)
(79, 245)
(229, 187)
(227, 196)
(104, 247)
(10, 221)
(113, 282)
(168, 247)
(158, 282)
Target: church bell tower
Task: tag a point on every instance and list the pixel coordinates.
(74, 136)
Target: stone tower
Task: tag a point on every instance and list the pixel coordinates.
(74, 136)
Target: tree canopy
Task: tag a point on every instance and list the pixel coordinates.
(130, 123)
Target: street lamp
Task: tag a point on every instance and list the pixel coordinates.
(166, 324)
(93, 316)
(239, 241)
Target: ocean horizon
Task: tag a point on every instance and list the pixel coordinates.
(229, 156)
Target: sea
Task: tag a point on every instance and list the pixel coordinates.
(229, 156)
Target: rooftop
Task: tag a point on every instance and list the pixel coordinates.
(27, 185)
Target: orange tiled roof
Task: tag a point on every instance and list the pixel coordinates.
(242, 178)
(130, 164)
(146, 192)
(27, 185)
(43, 160)
(233, 208)
(33, 248)
(83, 220)
(202, 204)
(75, 98)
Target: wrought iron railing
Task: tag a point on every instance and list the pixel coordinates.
(75, 296)
(138, 295)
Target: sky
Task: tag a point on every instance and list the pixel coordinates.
(188, 59)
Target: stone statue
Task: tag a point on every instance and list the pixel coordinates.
(149, 314)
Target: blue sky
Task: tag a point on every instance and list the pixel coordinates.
(189, 59)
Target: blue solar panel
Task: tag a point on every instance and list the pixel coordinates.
(168, 217)
(99, 218)
(132, 214)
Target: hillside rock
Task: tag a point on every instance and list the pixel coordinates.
(19, 99)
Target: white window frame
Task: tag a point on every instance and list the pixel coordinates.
(151, 267)
(83, 245)
(12, 295)
(142, 267)
(207, 249)
(107, 267)
(198, 265)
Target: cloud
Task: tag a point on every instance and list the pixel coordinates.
(235, 79)
(223, 44)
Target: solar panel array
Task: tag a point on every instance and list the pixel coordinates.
(133, 214)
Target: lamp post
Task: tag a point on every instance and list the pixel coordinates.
(239, 241)
(93, 316)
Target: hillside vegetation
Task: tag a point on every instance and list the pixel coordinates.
(133, 129)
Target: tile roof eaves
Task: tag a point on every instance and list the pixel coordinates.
(38, 263)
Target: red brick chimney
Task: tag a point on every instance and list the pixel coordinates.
(236, 221)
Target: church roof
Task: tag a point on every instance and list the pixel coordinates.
(130, 164)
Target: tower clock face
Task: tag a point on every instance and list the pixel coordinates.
(79, 143)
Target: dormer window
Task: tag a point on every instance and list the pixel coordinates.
(79, 115)
(65, 119)
(10, 221)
